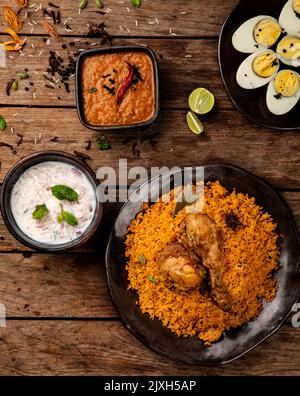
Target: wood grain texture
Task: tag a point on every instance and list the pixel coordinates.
(54, 286)
(106, 348)
(228, 138)
(84, 335)
(184, 65)
(203, 19)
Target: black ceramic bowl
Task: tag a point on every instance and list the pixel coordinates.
(251, 103)
(14, 174)
(235, 342)
(111, 50)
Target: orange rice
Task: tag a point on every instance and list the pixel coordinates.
(251, 255)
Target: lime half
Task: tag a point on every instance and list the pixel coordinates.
(201, 101)
(194, 123)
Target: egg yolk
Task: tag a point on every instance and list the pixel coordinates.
(296, 6)
(287, 83)
(289, 47)
(267, 32)
(265, 64)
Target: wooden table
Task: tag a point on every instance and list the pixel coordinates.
(60, 319)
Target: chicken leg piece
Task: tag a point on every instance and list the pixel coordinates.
(178, 267)
(206, 241)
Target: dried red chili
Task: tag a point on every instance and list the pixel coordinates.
(126, 84)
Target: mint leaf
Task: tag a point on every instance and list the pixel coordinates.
(40, 212)
(60, 217)
(102, 143)
(99, 3)
(83, 4)
(152, 279)
(62, 192)
(2, 123)
(93, 90)
(15, 85)
(142, 259)
(23, 75)
(136, 3)
(70, 219)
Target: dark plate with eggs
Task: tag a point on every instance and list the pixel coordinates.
(251, 103)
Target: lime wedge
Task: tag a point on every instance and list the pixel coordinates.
(194, 123)
(201, 101)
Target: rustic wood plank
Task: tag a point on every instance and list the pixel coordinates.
(54, 286)
(179, 74)
(228, 138)
(183, 18)
(106, 348)
(50, 286)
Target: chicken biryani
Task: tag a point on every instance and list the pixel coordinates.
(201, 273)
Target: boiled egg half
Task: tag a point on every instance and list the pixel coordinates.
(257, 33)
(288, 50)
(257, 70)
(283, 92)
(290, 17)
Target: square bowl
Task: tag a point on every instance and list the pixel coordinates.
(116, 50)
